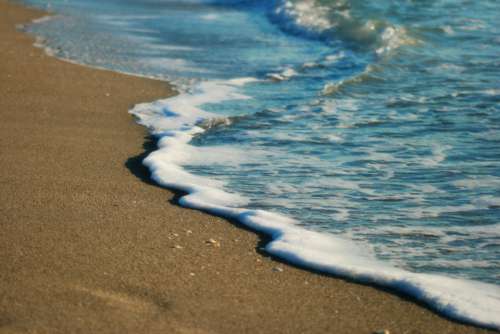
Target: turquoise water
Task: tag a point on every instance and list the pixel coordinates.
(375, 123)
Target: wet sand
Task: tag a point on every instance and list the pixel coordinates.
(89, 245)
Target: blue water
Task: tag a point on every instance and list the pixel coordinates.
(375, 122)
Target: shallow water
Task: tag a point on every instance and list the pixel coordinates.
(374, 124)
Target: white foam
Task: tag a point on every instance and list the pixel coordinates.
(487, 202)
(285, 74)
(310, 65)
(426, 188)
(462, 264)
(447, 234)
(174, 121)
(334, 183)
(334, 138)
(331, 87)
(473, 183)
(436, 211)
(394, 37)
(438, 156)
(280, 188)
(306, 13)
(311, 17)
(448, 30)
(333, 58)
(473, 25)
(44, 19)
(492, 92)
(341, 215)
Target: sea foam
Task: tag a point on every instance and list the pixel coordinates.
(328, 22)
(176, 120)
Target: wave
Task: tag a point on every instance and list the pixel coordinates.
(332, 88)
(333, 20)
(175, 121)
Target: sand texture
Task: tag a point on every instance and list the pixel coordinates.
(89, 245)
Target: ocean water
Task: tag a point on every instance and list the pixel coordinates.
(363, 137)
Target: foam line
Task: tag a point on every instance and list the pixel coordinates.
(176, 120)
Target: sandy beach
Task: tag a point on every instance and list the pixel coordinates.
(89, 245)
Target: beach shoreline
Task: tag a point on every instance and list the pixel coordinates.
(90, 244)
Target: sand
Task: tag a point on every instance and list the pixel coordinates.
(89, 245)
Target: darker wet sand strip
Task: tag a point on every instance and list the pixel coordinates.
(88, 245)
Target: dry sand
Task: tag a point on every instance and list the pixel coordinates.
(88, 245)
